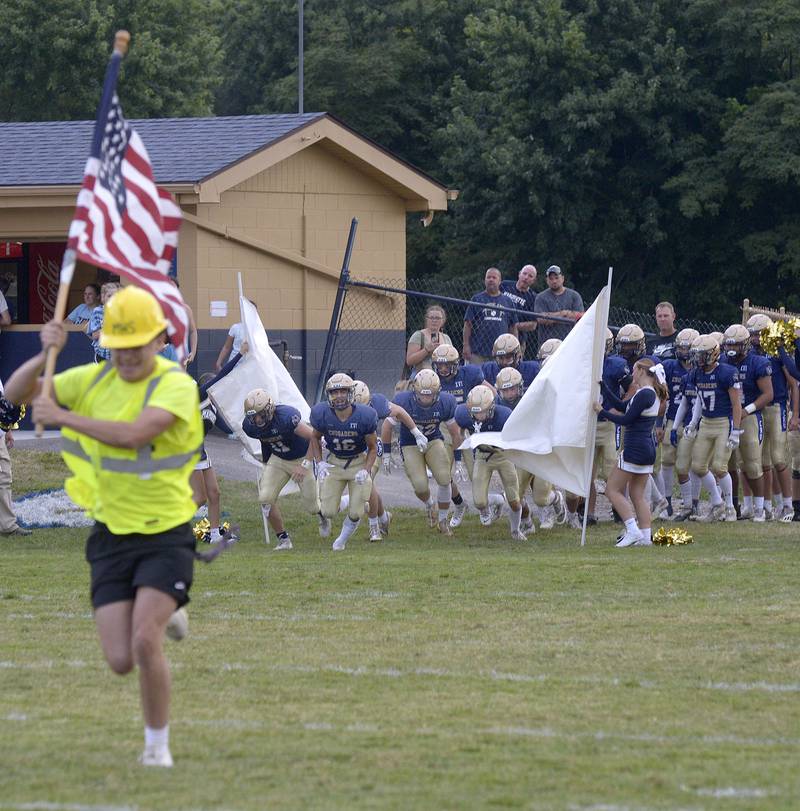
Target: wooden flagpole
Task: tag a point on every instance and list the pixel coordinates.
(121, 41)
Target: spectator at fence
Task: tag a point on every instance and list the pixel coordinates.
(422, 343)
(560, 301)
(522, 294)
(662, 346)
(83, 312)
(483, 323)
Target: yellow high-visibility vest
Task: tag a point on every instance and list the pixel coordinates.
(142, 490)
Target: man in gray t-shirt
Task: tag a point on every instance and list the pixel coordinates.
(559, 301)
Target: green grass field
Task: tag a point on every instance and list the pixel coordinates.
(420, 673)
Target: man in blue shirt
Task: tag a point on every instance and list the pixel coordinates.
(521, 292)
(484, 323)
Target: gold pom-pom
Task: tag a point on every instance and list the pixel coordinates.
(202, 531)
(672, 537)
(779, 334)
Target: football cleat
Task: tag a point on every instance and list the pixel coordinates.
(495, 510)
(659, 507)
(527, 525)
(519, 535)
(286, 543)
(746, 513)
(788, 516)
(730, 514)
(758, 517)
(644, 542)
(458, 515)
(433, 515)
(375, 534)
(574, 521)
(684, 514)
(547, 518)
(444, 527)
(486, 517)
(156, 756)
(339, 544)
(324, 526)
(716, 513)
(385, 524)
(559, 507)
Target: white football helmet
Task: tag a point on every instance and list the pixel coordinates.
(737, 341)
(506, 350)
(259, 406)
(480, 403)
(630, 342)
(706, 351)
(444, 361)
(361, 392)
(426, 387)
(548, 348)
(340, 390)
(684, 341)
(509, 385)
(758, 322)
(609, 341)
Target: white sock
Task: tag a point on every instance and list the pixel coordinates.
(658, 483)
(710, 483)
(374, 523)
(631, 526)
(496, 499)
(348, 528)
(747, 502)
(759, 502)
(686, 493)
(668, 475)
(787, 502)
(156, 737)
(726, 488)
(515, 517)
(384, 518)
(696, 483)
(648, 533)
(443, 515)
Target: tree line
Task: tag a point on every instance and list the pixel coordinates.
(658, 136)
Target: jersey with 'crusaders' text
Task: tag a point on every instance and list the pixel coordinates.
(278, 436)
(426, 418)
(345, 438)
(466, 378)
(712, 387)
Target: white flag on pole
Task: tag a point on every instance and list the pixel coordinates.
(551, 431)
(259, 368)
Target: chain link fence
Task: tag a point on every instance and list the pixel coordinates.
(379, 317)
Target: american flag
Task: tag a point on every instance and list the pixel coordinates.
(123, 222)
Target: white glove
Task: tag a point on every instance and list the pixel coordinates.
(734, 437)
(323, 468)
(387, 465)
(460, 473)
(361, 476)
(422, 440)
(690, 432)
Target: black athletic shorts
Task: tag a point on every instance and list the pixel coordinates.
(122, 563)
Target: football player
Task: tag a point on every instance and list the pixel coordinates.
(481, 413)
(506, 352)
(379, 517)
(719, 403)
(284, 439)
(548, 349)
(775, 417)
(755, 379)
(349, 430)
(429, 407)
(676, 370)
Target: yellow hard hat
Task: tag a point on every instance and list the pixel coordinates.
(132, 318)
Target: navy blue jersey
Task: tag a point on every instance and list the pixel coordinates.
(466, 378)
(639, 420)
(345, 438)
(750, 370)
(488, 323)
(381, 406)
(427, 419)
(676, 374)
(780, 391)
(615, 372)
(278, 435)
(494, 423)
(527, 368)
(713, 387)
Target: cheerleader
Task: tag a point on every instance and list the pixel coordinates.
(638, 415)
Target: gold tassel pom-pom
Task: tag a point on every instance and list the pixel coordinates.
(672, 537)
(779, 334)
(202, 530)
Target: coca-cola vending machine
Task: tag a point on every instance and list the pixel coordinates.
(44, 266)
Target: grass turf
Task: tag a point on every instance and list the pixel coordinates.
(421, 672)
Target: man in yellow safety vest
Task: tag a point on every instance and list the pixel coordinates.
(131, 429)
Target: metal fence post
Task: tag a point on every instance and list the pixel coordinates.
(344, 278)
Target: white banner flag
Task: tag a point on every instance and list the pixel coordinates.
(551, 431)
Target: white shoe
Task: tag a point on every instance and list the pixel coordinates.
(644, 542)
(156, 756)
(788, 516)
(216, 536)
(574, 521)
(178, 625)
(716, 513)
(730, 514)
(339, 544)
(496, 510)
(630, 539)
(559, 507)
(768, 511)
(324, 527)
(660, 507)
(486, 517)
(286, 543)
(779, 512)
(375, 533)
(547, 518)
(385, 524)
(757, 516)
(433, 515)
(599, 486)
(458, 515)
(747, 512)
(527, 525)
(519, 535)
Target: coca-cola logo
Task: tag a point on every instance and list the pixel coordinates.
(47, 277)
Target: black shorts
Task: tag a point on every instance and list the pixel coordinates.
(120, 564)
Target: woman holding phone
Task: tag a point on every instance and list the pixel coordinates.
(425, 340)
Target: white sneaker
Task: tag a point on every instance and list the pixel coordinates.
(547, 518)
(486, 517)
(458, 515)
(519, 535)
(156, 756)
(375, 533)
(660, 507)
(788, 516)
(758, 517)
(433, 515)
(324, 527)
(630, 539)
(779, 512)
(768, 511)
(339, 544)
(599, 486)
(747, 512)
(716, 513)
(559, 507)
(286, 543)
(216, 536)
(730, 514)
(644, 542)
(178, 625)
(385, 524)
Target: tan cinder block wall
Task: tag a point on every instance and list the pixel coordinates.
(47, 223)
(303, 204)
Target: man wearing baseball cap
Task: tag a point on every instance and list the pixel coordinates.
(559, 301)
